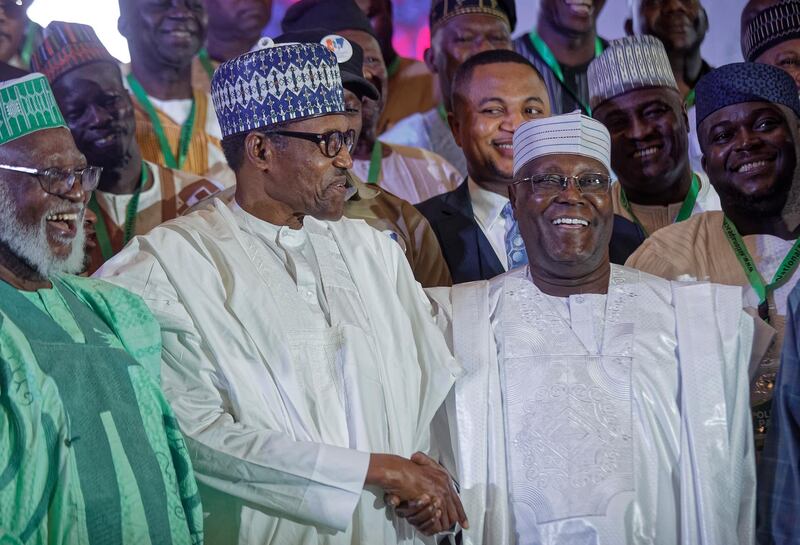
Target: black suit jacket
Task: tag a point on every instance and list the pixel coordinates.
(469, 254)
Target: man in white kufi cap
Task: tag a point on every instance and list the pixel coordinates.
(634, 94)
(599, 404)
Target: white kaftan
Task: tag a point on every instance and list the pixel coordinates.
(577, 422)
(284, 381)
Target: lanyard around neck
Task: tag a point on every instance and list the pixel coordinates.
(684, 213)
(690, 99)
(375, 163)
(103, 237)
(549, 58)
(27, 48)
(205, 62)
(393, 67)
(442, 113)
(784, 272)
(187, 129)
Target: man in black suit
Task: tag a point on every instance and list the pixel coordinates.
(494, 92)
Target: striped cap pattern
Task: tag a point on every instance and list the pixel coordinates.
(67, 46)
(633, 62)
(444, 10)
(568, 134)
(772, 26)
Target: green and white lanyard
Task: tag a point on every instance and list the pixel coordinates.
(205, 62)
(375, 161)
(684, 213)
(392, 69)
(26, 52)
(691, 98)
(784, 272)
(187, 129)
(549, 58)
(103, 238)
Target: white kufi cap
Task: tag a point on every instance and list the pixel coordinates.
(568, 134)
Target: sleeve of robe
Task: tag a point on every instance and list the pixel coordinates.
(310, 483)
(779, 470)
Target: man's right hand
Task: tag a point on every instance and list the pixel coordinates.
(410, 480)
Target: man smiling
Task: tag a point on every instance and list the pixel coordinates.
(300, 354)
(176, 126)
(748, 123)
(681, 25)
(90, 450)
(494, 92)
(773, 37)
(634, 94)
(561, 47)
(133, 195)
(592, 392)
(459, 30)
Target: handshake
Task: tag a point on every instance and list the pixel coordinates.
(420, 490)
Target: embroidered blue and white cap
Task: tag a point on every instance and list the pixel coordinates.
(276, 84)
(567, 134)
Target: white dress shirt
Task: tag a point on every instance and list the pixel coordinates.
(487, 207)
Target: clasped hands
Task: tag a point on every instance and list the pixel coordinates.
(420, 490)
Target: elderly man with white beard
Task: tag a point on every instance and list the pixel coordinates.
(90, 451)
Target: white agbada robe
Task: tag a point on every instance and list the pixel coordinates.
(602, 420)
(280, 409)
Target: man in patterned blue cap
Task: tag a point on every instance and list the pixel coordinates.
(747, 116)
(297, 345)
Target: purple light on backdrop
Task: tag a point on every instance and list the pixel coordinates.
(411, 33)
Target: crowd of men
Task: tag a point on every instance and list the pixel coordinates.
(300, 290)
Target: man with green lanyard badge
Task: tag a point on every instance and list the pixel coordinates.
(410, 173)
(561, 47)
(176, 125)
(459, 30)
(681, 26)
(133, 195)
(633, 93)
(747, 117)
(90, 451)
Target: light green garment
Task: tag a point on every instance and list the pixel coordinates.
(88, 455)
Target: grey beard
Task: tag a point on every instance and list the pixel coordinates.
(29, 242)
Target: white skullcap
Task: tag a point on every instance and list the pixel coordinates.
(633, 62)
(573, 134)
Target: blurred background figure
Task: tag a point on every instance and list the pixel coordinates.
(19, 36)
(412, 88)
(681, 25)
(773, 37)
(561, 47)
(234, 26)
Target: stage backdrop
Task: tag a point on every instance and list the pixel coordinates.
(411, 33)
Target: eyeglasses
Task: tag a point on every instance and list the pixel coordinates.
(58, 181)
(330, 142)
(589, 183)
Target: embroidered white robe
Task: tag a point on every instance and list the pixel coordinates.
(279, 405)
(602, 420)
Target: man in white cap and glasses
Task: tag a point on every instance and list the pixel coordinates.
(634, 94)
(300, 354)
(599, 404)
